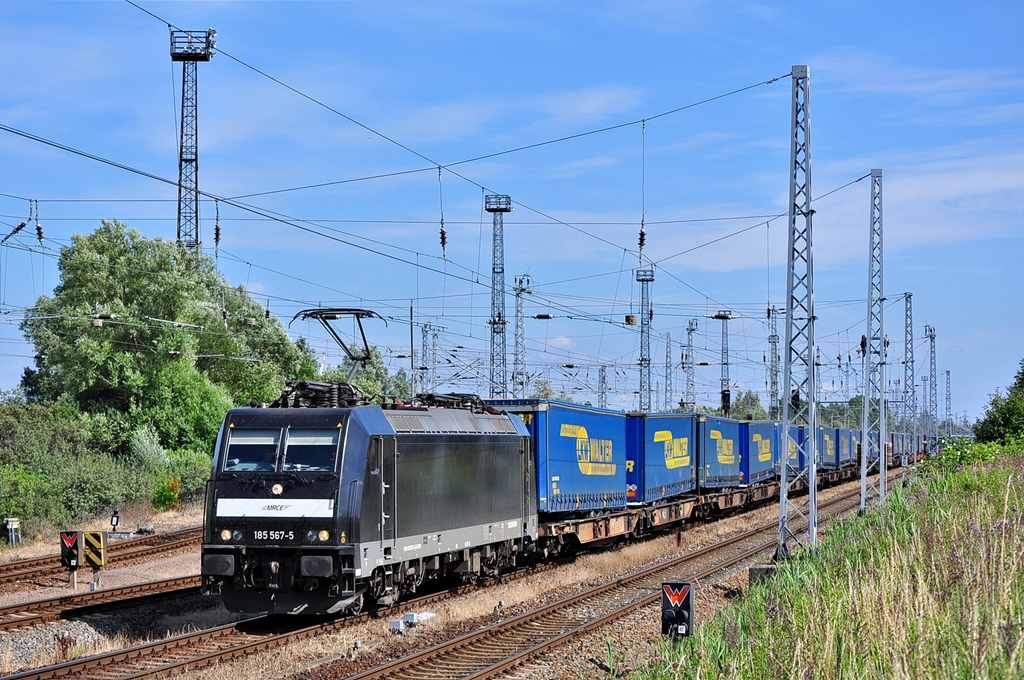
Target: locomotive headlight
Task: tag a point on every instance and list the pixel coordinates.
(277, 489)
(323, 535)
(237, 535)
(310, 535)
(225, 535)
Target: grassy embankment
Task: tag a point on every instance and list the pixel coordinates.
(928, 586)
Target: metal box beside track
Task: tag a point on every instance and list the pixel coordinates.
(759, 449)
(720, 447)
(661, 456)
(580, 454)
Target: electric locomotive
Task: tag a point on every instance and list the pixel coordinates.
(318, 504)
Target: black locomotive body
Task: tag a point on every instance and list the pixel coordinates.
(319, 510)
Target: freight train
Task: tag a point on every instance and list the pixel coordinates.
(322, 505)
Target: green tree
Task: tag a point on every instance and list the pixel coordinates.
(748, 406)
(147, 333)
(1004, 415)
(542, 389)
(373, 379)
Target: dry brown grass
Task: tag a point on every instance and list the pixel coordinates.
(67, 649)
(47, 542)
(587, 570)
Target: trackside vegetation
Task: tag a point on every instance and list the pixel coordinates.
(140, 351)
(926, 586)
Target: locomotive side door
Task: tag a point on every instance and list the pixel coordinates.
(387, 450)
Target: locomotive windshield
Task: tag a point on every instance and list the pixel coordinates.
(252, 450)
(311, 450)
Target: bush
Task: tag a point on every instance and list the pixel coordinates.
(192, 469)
(168, 495)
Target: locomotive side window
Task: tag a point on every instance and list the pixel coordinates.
(252, 450)
(310, 450)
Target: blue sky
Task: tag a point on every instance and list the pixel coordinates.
(932, 93)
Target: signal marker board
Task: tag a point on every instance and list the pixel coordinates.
(95, 548)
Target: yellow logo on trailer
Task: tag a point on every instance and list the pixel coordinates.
(594, 456)
(677, 449)
(764, 448)
(725, 451)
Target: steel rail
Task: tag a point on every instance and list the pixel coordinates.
(501, 633)
(144, 655)
(117, 552)
(36, 612)
(526, 655)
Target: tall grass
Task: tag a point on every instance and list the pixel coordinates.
(927, 586)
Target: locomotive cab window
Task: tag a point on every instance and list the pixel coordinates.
(252, 450)
(310, 450)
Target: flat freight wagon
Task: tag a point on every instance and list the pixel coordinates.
(580, 454)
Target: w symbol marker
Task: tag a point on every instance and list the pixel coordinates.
(676, 596)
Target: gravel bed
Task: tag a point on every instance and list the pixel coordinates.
(635, 637)
(108, 630)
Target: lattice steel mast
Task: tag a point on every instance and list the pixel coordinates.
(949, 408)
(668, 372)
(909, 378)
(874, 419)
(773, 364)
(520, 379)
(425, 357)
(689, 400)
(726, 393)
(602, 386)
(498, 206)
(645, 277)
(933, 391)
(190, 48)
(798, 373)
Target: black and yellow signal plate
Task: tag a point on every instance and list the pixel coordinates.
(94, 552)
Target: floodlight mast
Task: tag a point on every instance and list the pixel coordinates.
(798, 407)
(498, 205)
(190, 48)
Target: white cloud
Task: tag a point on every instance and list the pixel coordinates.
(865, 73)
(561, 342)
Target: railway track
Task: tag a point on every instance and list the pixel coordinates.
(223, 643)
(37, 612)
(232, 641)
(501, 647)
(136, 548)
